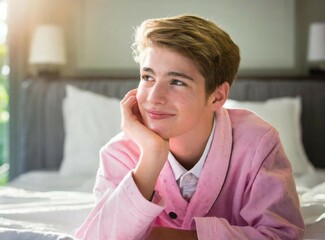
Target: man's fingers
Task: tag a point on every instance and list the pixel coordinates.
(132, 92)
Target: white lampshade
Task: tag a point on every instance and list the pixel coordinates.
(47, 46)
(316, 44)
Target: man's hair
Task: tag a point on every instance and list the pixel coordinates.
(215, 54)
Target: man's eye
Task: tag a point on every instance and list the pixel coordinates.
(146, 78)
(178, 83)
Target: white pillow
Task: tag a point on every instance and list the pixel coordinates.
(283, 114)
(90, 121)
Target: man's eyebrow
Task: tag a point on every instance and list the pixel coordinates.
(146, 69)
(178, 74)
(170, 74)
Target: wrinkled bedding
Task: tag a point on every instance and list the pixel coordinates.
(26, 214)
(312, 204)
(45, 205)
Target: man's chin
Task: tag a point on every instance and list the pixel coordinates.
(162, 133)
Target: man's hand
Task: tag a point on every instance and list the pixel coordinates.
(154, 149)
(133, 125)
(161, 233)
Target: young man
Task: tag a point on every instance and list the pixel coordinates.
(184, 167)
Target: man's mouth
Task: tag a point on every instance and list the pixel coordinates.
(159, 115)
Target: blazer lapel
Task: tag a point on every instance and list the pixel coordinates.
(214, 172)
(168, 190)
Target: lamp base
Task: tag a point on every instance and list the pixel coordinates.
(48, 73)
(317, 72)
(46, 70)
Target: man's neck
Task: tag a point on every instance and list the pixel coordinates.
(188, 149)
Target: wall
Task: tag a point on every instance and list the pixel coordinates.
(272, 35)
(263, 29)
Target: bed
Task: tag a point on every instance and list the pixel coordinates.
(63, 122)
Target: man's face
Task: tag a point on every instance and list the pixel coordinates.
(171, 94)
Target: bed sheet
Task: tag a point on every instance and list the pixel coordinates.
(312, 204)
(53, 181)
(26, 214)
(46, 205)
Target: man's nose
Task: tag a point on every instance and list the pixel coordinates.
(158, 94)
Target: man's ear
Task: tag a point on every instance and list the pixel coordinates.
(220, 95)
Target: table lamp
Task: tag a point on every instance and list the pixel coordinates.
(47, 50)
(316, 48)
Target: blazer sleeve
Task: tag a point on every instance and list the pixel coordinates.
(270, 206)
(121, 212)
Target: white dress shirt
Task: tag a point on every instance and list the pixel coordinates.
(187, 179)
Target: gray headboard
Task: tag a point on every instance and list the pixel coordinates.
(41, 121)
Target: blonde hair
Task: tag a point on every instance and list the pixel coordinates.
(211, 48)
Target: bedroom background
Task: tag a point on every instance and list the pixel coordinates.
(60, 122)
(273, 36)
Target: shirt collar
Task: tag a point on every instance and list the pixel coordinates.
(179, 170)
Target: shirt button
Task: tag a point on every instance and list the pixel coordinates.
(172, 215)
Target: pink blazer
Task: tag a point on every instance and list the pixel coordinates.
(246, 189)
